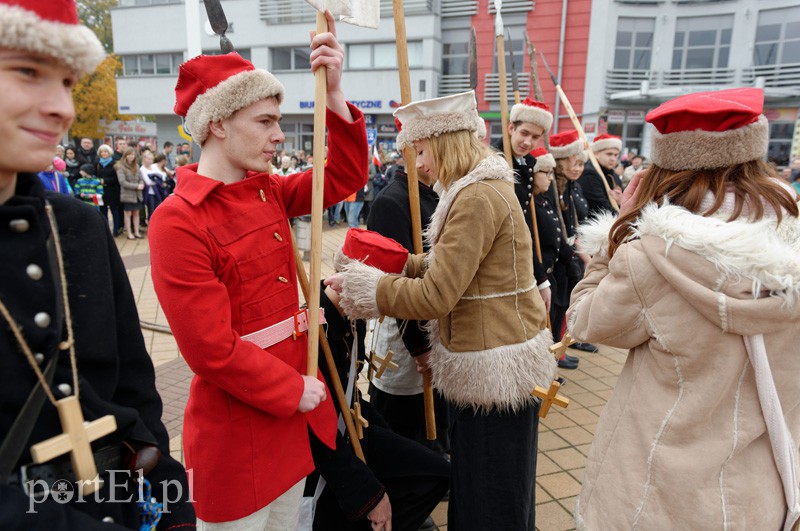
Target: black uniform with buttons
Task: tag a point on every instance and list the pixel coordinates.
(595, 192)
(116, 375)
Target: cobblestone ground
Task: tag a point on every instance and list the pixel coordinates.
(565, 434)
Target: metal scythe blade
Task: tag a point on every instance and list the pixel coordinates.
(219, 23)
(547, 67)
(473, 60)
(514, 80)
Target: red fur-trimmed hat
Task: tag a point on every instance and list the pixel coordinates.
(566, 144)
(532, 111)
(544, 160)
(709, 130)
(375, 250)
(606, 141)
(213, 87)
(50, 28)
(436, 116)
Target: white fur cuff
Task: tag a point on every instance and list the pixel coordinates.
(697, 150)
(359, 290)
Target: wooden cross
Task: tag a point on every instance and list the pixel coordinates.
(382, 363)
(76, 439)
(359, 421)
(550, 397)
(560, 348)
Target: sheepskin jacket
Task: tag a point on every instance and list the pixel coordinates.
(686, 440)
(489, 341)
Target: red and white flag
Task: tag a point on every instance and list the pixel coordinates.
(376, 159)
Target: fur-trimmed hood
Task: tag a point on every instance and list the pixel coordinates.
(493, 167)
(749, 272)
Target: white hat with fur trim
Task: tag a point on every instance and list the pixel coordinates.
(430, 118)
(213, 87)
(544, 160)
(566, 144)
(534, 112)
(606, 141)
(709, 130)
(50, 29)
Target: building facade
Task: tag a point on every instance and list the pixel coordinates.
(644, 52)
(151, 38)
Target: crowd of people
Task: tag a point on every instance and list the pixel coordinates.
(691, 263)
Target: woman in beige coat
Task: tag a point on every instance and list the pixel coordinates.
(700, 278)
(489, 341)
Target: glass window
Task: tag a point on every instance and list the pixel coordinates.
(146, 64)
(177, 59)
(386, 56)
(281, 59)
(163, 64)
(414, 54)
(702, 42)
(777, 37)
(634, 43)
(302, 58)
(455, 52)
(359, 56)
(130, 65)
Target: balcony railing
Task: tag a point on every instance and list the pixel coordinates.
(459, 8)
(293, 11)
(705, 76)
(453, 84)
(622, 80)
(775, 76)
(492, 86)
(513, 6)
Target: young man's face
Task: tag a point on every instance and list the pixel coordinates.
(86, 144)
(636, 162)
(252, 135)
(608, 158)
(524, 137)
(36, 108)
(122, 145)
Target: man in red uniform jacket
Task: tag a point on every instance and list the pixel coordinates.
(223, 268)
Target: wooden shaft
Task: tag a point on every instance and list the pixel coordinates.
(413, 189)
(516, 97)
(501, 70)
(338, 390)
(577, 124)
(536, 242)
(536, 85)
(317, 192)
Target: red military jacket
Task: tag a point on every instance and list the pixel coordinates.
(223, 267)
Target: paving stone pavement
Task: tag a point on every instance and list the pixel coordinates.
(565, 435)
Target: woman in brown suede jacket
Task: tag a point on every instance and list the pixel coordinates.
(489, 341)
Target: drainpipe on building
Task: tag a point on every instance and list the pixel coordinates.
(561, 42)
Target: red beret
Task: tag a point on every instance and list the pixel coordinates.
(375, 250)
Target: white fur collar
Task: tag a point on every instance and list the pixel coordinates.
(493, 167)
(764, 251)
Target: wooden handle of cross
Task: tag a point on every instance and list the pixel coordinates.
(501, 70)
(577, 124)
(413, 189)
(317, 193)
(338, 390)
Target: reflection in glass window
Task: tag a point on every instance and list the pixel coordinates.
(777, 37)
(702, 42)
(634, 43)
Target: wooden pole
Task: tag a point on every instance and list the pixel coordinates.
(577, 124)
(501, 70)
(338, 390)
(413, 190)
(317, 192)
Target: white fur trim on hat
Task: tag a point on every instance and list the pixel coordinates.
(433, 117)
(530, 114)
(74, 45)
(221, 101)
(607, 143)
(697, 150)
(562, 152)
(544, 163)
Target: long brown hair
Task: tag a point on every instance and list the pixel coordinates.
(753, 185)
(456, 154)
(122, 163)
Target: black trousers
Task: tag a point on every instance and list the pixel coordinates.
(415, 479)
(493, 470)
(405, 414)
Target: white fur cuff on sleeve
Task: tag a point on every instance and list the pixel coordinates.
(359, 290)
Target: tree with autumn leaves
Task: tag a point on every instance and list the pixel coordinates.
(95, 95)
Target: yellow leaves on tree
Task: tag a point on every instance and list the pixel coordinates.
(95, 99)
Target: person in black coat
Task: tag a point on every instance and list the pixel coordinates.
(400, 477)
(105, 171)
(40, 231)
(606, 149)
